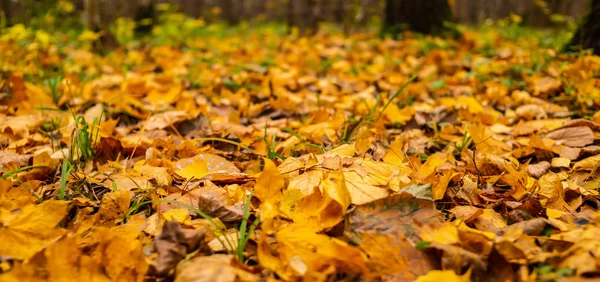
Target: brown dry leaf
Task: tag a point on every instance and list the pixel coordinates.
(539, 169)
(572, 136)
(210, 199)
(166, 120)
(530, 111)
(29, 229)
(396, 214)
(457, 258)
(10, 157)
(172, 245)
(466, 213)
(545, 85)
(19, 126)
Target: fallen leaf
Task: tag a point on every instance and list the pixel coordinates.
(27, 230)
(301, 246)
(323, 210)
(572, 136)
(397, 214)
(212, 268)
(165, 120)
(172, 245)
(196, 170)
(442, 275)
(113, 208)
(394, 257)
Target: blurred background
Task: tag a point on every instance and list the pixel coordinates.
(350, 14)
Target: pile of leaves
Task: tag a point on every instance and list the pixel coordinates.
(262, 155)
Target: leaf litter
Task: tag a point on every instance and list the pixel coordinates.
(299, 158)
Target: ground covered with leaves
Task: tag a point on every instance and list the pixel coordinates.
(205, 153)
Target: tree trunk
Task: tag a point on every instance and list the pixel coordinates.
(5, 9)
(587, 35)
(304, 14)
(424, 16)
(231, 11)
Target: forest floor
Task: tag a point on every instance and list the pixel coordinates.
(215, 154)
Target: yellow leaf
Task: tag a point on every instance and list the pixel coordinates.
(446, 233)
(26, 231)
(270, 183)
(395, 154)
(554, 213)
(588, 164)
(561, 162)
(550, 186)
(443, 275)
(299, 251)
(439, 190)
(113, 207)
(362, 192)
(394, 256)
(470, 103)
(159, 174)
(324, 210)
(196, 170)
(431, 164)
(396, 115)
(306, 182)
(88, 35)
(43, 38)
(122, 253)
(291, 198)
(489, 221)
(67, 263)
(484, 140)
(268, 190)
(179, 215)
